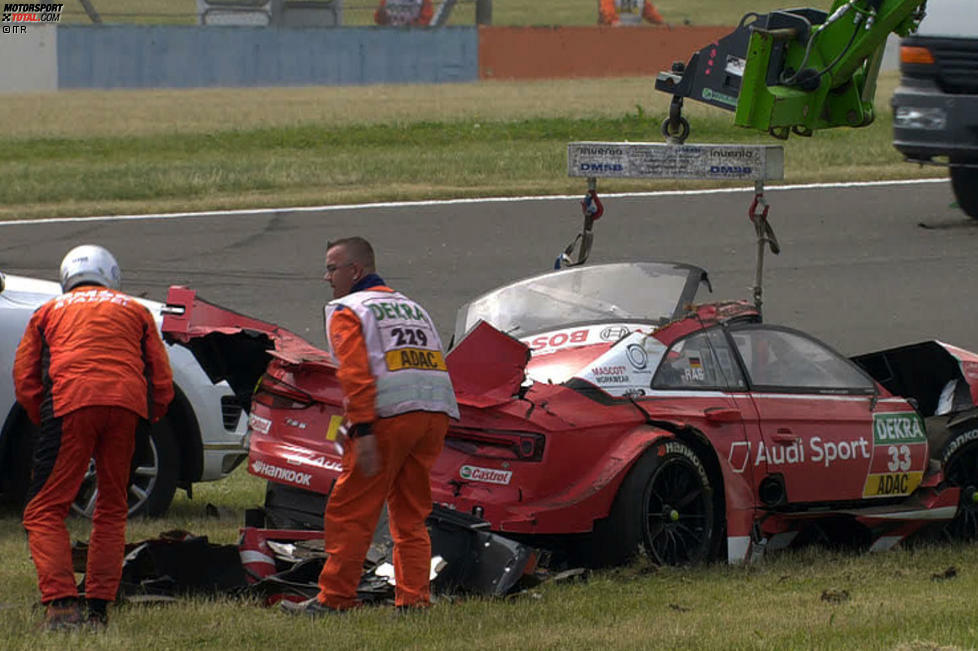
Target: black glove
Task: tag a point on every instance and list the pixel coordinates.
(360, 429)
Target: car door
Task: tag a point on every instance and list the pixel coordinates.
(703, 371)
(816, 414)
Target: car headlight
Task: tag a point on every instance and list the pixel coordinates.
(913, 117)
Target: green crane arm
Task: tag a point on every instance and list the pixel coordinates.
(795, 70)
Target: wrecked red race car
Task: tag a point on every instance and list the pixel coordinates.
(604, 410)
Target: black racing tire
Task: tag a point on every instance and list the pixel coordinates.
(664, 507)
(18, 468)
(961, 469)
(152, 478)
(964, 183)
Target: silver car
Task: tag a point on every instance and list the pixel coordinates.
(201, 438)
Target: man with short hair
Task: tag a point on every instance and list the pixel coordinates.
(90, 365)
(398, 399)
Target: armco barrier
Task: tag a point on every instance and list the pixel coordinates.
(170, 56)
(544, 52)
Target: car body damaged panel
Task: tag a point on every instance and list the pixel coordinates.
(560, 415)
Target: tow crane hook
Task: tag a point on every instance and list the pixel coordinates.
(757, 213)
(592, 208)
(675, 128)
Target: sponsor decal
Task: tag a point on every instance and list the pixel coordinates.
(611, 379)
(415, 358)
(259, 467)
(29, 13)
(581, 336)
(334, 427)
(485, 475)
(889, 484)
(901, 427)
(601, 151)
(291, 422)
(259, 424)
(602, 167)
(608, 370)
(957, 443)
(91, 296)
(395, 310)
(723, 98)
(677, 447)
(637, 357)
(726, 154)
(559, 339)
(731, 170)
(817, 451)
(738, 456)
(335, 466)
(614, 333)
(610, 374)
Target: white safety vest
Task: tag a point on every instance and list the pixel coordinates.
(404, 353)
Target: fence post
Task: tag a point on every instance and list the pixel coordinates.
(483, 12)
(90, 10)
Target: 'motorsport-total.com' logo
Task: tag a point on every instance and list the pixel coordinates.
(31, 12)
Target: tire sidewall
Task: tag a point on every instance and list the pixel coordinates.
(622, 535)
(964, 183)
(156, 440)
(163, 442)
(665, 454)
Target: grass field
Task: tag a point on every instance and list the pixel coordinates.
(91, 153)
(84, 153)
(803, 600)
(80, 153)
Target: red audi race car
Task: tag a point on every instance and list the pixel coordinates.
(612, 408)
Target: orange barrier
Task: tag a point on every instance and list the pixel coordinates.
(554, 52)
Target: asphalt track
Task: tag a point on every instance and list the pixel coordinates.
(862, 267)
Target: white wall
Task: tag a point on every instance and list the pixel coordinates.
(30, 59)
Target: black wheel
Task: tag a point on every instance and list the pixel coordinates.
(152, 478)
(665, 507)
(964, 183)
(17, 478)
(961, 469)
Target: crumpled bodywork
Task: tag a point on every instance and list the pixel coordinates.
(555, 422)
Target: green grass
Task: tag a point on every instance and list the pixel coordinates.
(894, 602)
(218, 149)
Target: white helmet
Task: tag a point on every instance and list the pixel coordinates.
(89, 263)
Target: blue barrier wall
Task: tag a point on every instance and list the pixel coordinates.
(170, 56)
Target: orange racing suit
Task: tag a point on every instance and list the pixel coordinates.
(608, 13)
(395, 381)
(90, 364)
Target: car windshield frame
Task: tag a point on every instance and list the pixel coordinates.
(608, 293)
